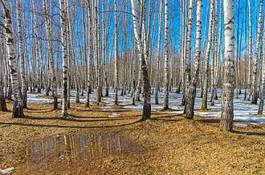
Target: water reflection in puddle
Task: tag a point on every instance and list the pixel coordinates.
(64, 149)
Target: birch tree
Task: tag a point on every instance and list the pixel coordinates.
(257, 57)
(262, 88)
(158, 52)
(250, 52)
(3, 106)
(64, 24)
(207, 57)
(139, 44)
(116, 79)
(166, 63)
(227, 114)
(21, 51)
(12, 61)
(52, 74)
(188, 49)
(191, 91)
(90, 52)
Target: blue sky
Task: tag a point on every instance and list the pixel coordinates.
(174, 24)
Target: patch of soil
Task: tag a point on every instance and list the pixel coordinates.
(171, 144)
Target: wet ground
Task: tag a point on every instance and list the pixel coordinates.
(96, 142)
(65, 150)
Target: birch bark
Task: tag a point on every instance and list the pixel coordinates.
(227, 114)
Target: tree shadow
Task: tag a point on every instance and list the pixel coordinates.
(250, 133)
(67, 126)
(168, 118)
(104, 117)
(40, 110)
(104, 110)
(208, 120)
(82, 119)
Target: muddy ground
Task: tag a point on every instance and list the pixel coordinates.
(166, 144)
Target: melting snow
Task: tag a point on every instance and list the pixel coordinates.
(244, 111)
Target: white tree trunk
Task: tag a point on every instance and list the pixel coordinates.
(12, 61)
(191, 91)
(227, 114)
(3, 106)
(250, 47)
(207, 57)
(158, 52)
(166, 63)
(21, 51)
(64, 24)
(116, 78)
(90, 52)
(50, 48)
(257, 57)
(139, 44)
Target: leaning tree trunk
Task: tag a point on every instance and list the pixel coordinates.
(227, 114)
(257, 57)
(166, 64)
(12, 62)
(191, 91)
(63, 14)
(207, 56)
(147, 88)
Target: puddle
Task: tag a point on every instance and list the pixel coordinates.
(64, 150)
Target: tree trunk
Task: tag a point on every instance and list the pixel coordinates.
(64, 24)
(191, 91)
(90, 53)
(11, 54)
(147, 88)
(3, 106)
(166, 63)
(116, 78)
(50, 48)
(227, 114)
(21, 51)
(158, 53)
(188, 51)
(250, 47)
(207, 57)
(257, 57)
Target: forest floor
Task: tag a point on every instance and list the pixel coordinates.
(93, 141)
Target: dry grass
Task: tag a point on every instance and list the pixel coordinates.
(172, 145)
